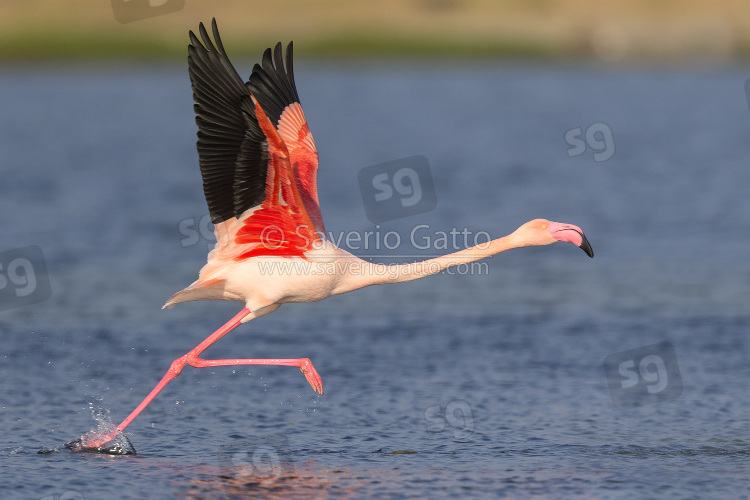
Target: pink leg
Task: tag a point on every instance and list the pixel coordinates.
(192, 358)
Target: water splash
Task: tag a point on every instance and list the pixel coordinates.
(104, 437)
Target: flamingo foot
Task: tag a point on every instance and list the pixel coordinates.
(308, 370)
(110, 442)
(118, 446)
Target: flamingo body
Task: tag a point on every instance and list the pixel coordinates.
(267, 280)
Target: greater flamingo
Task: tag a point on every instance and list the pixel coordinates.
(259, 165)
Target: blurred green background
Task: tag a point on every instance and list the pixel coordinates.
(611, 30)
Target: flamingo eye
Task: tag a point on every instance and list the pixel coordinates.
(544, 226)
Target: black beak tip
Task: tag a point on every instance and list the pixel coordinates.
(586, 247)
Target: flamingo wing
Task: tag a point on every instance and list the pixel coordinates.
(256, 151)
(232, 146)
(273, 86)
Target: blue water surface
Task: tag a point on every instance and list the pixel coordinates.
(484, 383)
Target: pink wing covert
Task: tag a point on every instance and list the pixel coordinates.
(303, 156)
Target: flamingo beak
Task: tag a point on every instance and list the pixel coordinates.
(571, 234)
(586, 246)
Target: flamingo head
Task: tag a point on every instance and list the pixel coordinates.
(540, 232)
